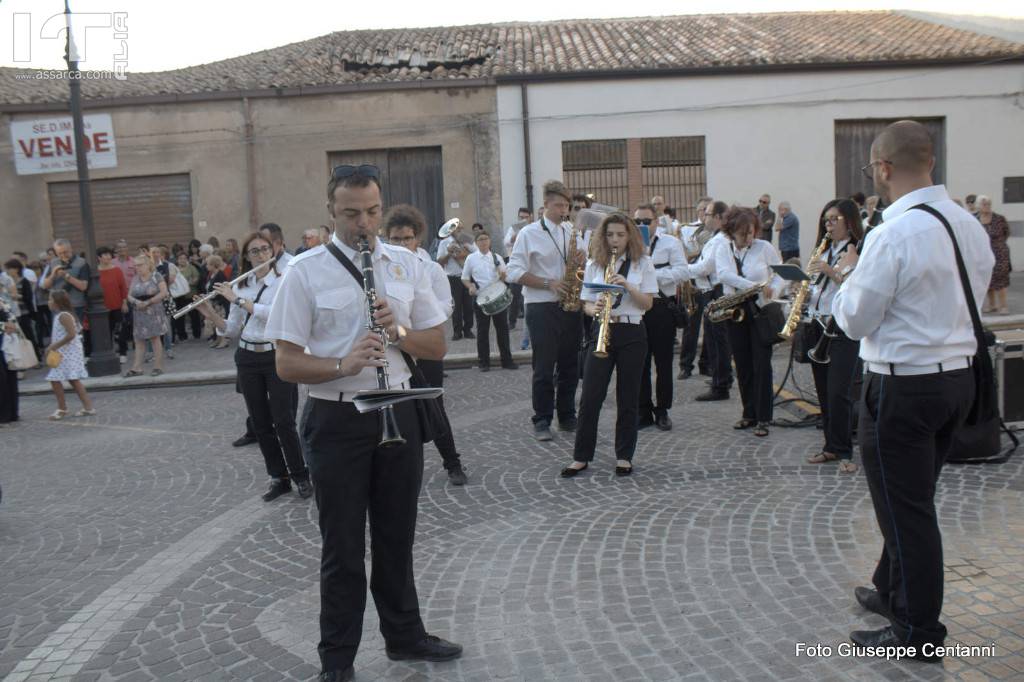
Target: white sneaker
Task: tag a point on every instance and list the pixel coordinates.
(123, 359)
(170, 355)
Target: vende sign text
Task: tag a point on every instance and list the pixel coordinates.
(47, 145)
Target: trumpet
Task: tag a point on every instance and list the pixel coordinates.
(605, 316)
(199, 301)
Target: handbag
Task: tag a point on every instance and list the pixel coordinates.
(18, 352)
(433, 420)
(985, 407)
(53, 359)
(180, 287)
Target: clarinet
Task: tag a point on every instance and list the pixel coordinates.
(390, 435)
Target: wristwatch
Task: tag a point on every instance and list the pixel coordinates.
(240, 302)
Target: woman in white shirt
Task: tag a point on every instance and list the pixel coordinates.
(627, 345)
(834, 380)
(743, 263)
(269, 400)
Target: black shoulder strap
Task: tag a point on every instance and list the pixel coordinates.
(344, 260)
(254, 302)
(414, 369)
(979, 331)
(624, 271)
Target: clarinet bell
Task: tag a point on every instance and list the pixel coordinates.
(390, 435)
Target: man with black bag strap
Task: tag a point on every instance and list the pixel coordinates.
(661, 321)
(318, 320)
(910, 302)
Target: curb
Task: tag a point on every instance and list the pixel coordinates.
(216, 377)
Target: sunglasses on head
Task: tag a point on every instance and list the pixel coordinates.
(345, 171)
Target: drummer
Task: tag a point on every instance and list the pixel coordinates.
(481, 270)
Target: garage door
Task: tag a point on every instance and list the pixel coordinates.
(143, 210)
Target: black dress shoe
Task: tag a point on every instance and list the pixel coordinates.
(685, 374)
(872, 601)
(663, 422)
(713, 395)
(623, 471)
(345, 675)
(887, 638)
(456, 337)
(244, 440)
(468, 335)
(457, 476)
(509, 365)
(542, 431)
(430, 648)
(569, 472)
(645, 422)
(568, 424)
(485, 368)
(304, 488)
(278, 487)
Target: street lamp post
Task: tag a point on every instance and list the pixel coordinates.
(102, 360)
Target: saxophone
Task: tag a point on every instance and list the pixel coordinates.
(731, 307)
(572, 277)
(801, 295)
(605, 316)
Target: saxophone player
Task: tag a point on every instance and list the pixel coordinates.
(626, 349)
(545, 254)
(834, 379)
(744, 263)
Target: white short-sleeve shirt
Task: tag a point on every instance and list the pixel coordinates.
(641, 274)
(322, 308)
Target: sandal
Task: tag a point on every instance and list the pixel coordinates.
(744, 424)
(822, 457)
(132, 373)
(847, 466)
(85, 413)
(762, 429)
(156, 372)
(623, 471)
(58, 415)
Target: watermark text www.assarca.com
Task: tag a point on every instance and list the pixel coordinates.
(99, 43)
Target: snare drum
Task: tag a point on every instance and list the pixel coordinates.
(494, 298)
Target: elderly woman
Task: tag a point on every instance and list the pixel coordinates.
(149, 321)
(998, 232)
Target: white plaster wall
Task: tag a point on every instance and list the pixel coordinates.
(775, 132)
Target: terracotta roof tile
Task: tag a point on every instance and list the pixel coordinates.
(564, 47)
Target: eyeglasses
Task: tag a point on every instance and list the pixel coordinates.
(259, 250)
(403, 240)
(345, 171)
(868, 170)
(832, 219)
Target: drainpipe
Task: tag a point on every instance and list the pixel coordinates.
(250, 164)
(526, 147)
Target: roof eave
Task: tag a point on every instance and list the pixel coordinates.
(264, 93)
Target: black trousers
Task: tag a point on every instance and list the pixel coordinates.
(691, 334)
(753, 369)
(627, 348)
(271, 404)
(43, 319)
(716, 338)
(555, 335)
(906, 431)
(462, 313)
(353, 478)
(515, 311)
(8, 390)
(834, 385)
(118, 330)
(433, 372)
(661, 332)
(178, 325)
(483, 336)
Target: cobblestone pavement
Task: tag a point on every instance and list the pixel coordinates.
(133, 546)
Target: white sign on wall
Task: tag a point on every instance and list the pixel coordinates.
(47, 145)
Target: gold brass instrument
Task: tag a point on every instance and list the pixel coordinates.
(797, 310)
(687, 294)
(605, 317)
(199, 301)
(572, 276)
(731, 307)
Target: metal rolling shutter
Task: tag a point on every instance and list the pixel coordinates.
(853, 150)
(144, 210)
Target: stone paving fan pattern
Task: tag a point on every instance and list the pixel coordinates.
(711, 562)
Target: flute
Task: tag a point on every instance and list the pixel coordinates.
(199, 301)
